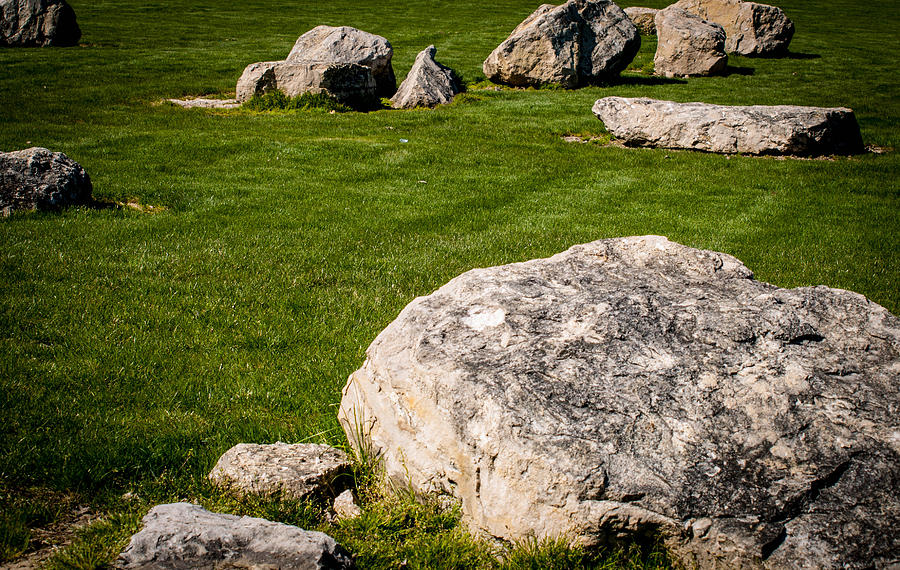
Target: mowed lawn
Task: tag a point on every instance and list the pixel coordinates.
(138, 344)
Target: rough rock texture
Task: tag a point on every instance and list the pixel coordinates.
(348, 83)
(633, 385)
(31, 23)
(296, 470)
(348, 45)
(750, 28)
(428, 83)
(38, 179)
(642, 18)
(688, 44)
(345, 506)
(181, 536)
(758, 129)
(203, 103)
(571, 45)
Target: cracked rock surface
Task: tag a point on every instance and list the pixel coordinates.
(39, 179)
(636, 385)
(752, 29)
(31, 23)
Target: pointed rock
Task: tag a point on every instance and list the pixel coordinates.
(428, 83)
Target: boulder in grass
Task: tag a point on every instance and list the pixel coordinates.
(347, 83)
(39, 179)
(575, 44)
(344, 44)
(428, 83)
(750, 28)
(688, 45)
(34, 23)
(181, 535)
(294, 470)
(757, 129)
(643, 19)
(634, 386)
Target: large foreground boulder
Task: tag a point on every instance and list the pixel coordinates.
(635, 385)
(688, 45)
(750, 28)
(428, 83)
(32, 23)
(575, 44)
(347, 83)
(757, 129)
(181, 535)
(38, 179)
(349, 45)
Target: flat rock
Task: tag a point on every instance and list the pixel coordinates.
(344, 44)
(428, 83)
(295, 470)
(643, 19)
(39, 179)
(635, 385)
(33, 23)
(203, 103)
(181, 535)
(347, 83)
(757, 129)
(575, 44)
(688, 45)
(750, 28)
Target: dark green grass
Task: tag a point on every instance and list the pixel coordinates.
(135, 348)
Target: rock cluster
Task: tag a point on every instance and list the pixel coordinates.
(635, 385)
(32, 23)
(688, 45)
(750, 28)
(38, 179)
(428, 83)
(575, 44)
(643, 19)
(757, 129)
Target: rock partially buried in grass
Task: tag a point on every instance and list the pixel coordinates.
(750, 28)
(346, 83)
(345, 506)
(632, 386)
(32, 23)
(181, 535)
(757, 129)
(642, 18)
(428, 83)
(38, 179)
(295, 470)
(688, 45)
(575, 44)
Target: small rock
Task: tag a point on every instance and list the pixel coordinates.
(428, 83)
(750, 28)
(38, 179)
(30, 23)
(643, 19)
(345, 506)
(688, 45)
(295, 470)
(180, 535)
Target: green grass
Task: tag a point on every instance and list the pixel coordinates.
(137, 347)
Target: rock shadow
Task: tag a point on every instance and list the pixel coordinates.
(639, 80)
(798, 55)
(735, 70)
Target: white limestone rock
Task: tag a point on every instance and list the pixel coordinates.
(428, 83)
(750, 28)
(688, 45)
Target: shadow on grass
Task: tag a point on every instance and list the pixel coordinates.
(797, 55)
(734, 70)
(640, 80)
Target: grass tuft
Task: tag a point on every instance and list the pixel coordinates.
(278, 101)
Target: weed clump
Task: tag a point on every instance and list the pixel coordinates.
(279, 101)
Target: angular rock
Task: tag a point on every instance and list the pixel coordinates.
(636, 385)
(181, 535)
(750, 28)
(757, 129)
(348, 83)
(428, 83)
(349, 45)
(32, 23)
(38, 179)
(345, 506)
(575, 44)
(642, 18)
(295, 470)
(688, 45)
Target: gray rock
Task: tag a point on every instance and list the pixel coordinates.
(181, 536)
(204, 103)
(575, 44)
(31, 23)
(757, 129)
(348, 83)
(642, 18)
(636, 385)
(750, 28)
(348, 45)
(688, 45)
(428, 83)
(295, 470)
(38, 179)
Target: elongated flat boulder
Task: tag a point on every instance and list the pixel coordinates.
(39, 179)
(180, 535)
(757, 129)
(635, 385)
(750, 28)
(37, 23)
(575, 44)
(428, 83)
